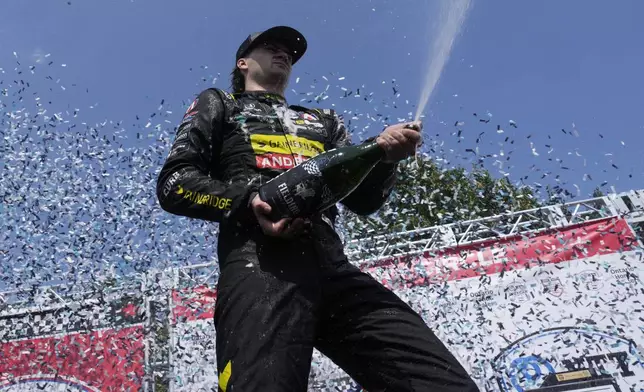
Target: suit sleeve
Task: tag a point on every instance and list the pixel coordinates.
(185, 186)
(375, 189)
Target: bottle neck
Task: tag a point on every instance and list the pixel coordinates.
(372, 148)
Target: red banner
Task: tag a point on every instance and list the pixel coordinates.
(513, 253)
(104, 360)
(194, 303)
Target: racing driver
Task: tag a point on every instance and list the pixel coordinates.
(286, 287)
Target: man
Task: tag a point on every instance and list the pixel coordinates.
(286, 287)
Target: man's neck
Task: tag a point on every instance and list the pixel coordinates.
(273, 89)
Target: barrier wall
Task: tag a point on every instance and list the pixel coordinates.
(558, 310)
(92, 347)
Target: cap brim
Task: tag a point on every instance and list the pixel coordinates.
(292, 39)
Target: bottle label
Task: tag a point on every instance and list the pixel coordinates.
(288, 199)
(301, 191)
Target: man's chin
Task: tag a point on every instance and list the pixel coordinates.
(281, 69)
(279, 77)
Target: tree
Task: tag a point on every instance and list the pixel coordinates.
(558, 195)
(597, 192)
(426, 195)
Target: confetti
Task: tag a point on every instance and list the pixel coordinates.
(78, 207)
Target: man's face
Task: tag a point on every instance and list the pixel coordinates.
(268, 62)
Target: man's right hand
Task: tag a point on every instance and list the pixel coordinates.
(400, 141)
(283, 228)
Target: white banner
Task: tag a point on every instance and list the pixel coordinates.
(193, 360)
(556, 311)
(546, 328)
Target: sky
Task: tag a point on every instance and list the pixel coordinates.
(567, 74)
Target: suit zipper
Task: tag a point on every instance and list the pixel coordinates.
(284, 133)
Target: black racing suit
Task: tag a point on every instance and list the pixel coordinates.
(277, 298)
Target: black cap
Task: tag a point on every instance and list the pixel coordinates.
(292, 39)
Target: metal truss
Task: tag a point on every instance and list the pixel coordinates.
(194, 275)
(43, 297)
(629, 205)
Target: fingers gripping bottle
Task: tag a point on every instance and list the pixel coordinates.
(321, 181)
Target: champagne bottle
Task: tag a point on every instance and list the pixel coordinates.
(321, 181)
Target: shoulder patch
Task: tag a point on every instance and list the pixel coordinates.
(308, 116)
(192, 109)
(228, 100)
(228, 95)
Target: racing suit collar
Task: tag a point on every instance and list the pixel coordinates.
(265, 96)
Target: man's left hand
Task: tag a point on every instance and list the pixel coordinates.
(400, 141)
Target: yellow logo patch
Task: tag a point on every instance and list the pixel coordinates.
(224, 376)
(207, 200)
(285, 144)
